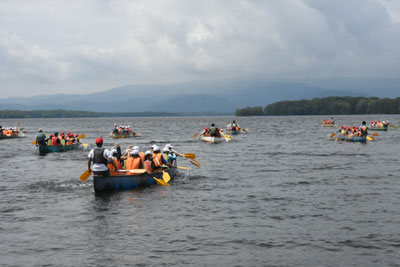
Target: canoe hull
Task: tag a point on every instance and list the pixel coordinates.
(353, 138)
(209, 139)
(378, 129)
(9, 136)
(53, 149)
(328, 125)
(127, 182)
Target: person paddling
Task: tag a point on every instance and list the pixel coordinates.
(41, 138)
(100, 157)
(364, 129)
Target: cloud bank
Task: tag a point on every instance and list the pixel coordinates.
(85, 46)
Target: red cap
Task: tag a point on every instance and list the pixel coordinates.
(77, 135)
(99, 140)
(52, 135)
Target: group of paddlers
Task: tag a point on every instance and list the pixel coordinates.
(379, 124)
(9, 131)
(106, 162)
(354, 131)
(216, 132)
(328, 122)
(122, 130)
(56, 139)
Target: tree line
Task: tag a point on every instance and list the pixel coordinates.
(333, 105)
(60, 113)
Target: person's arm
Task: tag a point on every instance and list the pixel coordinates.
(89, 164)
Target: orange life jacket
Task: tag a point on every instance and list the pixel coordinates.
(157, 159)
(141, 155)
(112, 169)
(54, 141)
(132, 163)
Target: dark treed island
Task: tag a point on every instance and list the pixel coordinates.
(326, 106)
(60, 113)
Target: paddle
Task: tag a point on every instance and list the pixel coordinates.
(227, 137)
(195, 136)
(82, 136)
(161, 182)
(85, 175)
(134, 171)
(244, 129)
(193, 161)
(137, 134)
(166, 177)
(184, 168)
(375, 134)
(369, 138)
(332, 135)
(393, 126)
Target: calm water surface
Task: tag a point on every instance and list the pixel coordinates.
(281, 195)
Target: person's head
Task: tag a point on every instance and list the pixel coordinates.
(77, 135)
(165, 150)
(212, 124)
(156, 149)
(134, 153)
(147, 154)
(52, 135)
(114, 153)
(116, 145)
(99, 142)
(234, 121)
(56, 134)
(363, 123)
(40, 130)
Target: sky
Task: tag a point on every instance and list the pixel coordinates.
(64, 46)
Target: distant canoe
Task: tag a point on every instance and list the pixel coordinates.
(9, 136)
(383, 128)
(127, 182)
(210, 139)
(328, 125)
(53, 149)
(119, 135)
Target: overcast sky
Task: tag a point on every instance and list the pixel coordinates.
(54, 46)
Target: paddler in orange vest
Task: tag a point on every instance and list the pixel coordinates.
(55, 141)
(111, 167)
(134, 161)
(158, 159)
(141, 154)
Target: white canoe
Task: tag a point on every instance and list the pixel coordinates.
(210, 139)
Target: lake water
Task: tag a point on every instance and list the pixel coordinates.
(281, 195)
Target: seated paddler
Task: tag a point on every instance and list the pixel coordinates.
(134, 161)
(100, 157)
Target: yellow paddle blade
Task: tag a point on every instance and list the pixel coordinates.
(227, 137)
(85, 175)
(375, 134)
(134, 171)
(84, 144)
(161, 182)
(190, 155)
(82, 136)
(369, 138)
(337, 138)
(195, 162)
(195, 136)
(332, 135)
(34, 142)
(245, 129)
(184, 168)
(394, 126)
(166, 177)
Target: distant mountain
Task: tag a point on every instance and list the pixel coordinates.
(203, 96)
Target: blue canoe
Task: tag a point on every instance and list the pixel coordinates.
(127, 182)
(353, 138)
(52, 149)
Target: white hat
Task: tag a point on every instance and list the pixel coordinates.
(113, 151)
(168, 145)
(156, 148)
(136, 147)
(153, 146)
(148, 152)
(165, 149)
(135, 152)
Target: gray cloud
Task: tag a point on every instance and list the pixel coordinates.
(85, 46)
